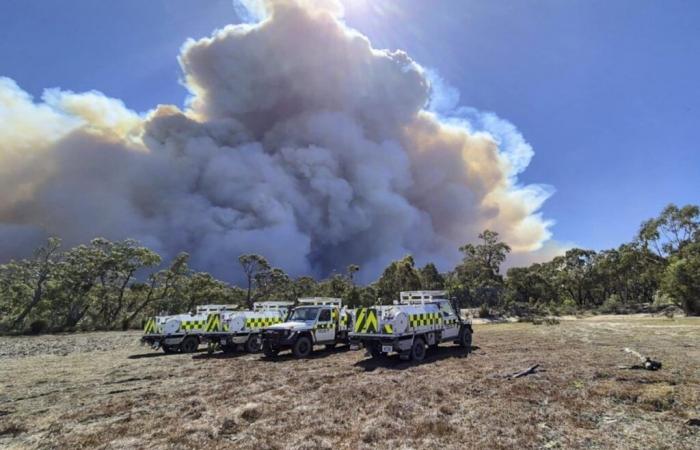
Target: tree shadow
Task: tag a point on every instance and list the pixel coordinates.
(394, 362)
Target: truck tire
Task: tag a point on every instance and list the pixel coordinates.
(302, 347)
(253, 344)
(189, 345)
(465, 338)
(269, 351)
(418, 350)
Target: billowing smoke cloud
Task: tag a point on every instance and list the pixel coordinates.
(299, 141)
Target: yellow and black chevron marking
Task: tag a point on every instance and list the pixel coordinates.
(388, 329)
(150, 326)
(423, 319)
(188, 325)
(213, 323)
(261, 322)
(366, 321)
(344, 319)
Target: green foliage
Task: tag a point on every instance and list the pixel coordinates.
(400, 276)
(477, 280)
(111, 285)
(681, 280)
(252, 265)
(430, 278)
(611, 305)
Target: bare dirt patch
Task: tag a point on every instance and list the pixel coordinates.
(104, 390)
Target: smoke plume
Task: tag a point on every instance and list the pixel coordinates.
(299, 141)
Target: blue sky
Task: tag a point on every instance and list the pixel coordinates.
(607, 92)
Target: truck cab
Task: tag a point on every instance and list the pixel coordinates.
(315, 321)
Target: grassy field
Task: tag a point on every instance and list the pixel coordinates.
(102, 390)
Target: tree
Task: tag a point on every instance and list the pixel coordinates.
(477, 280)
(36, 273)
(674, 228)
(273, 284)
(163, 292)
(399, 276)
(76, 276)
(122, 261)
(201, 288)
(252, 265)
(681, 280)
(304, 287)
(430, 278)
(351, 270)
(575, 274)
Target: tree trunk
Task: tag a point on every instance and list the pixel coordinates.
(36, 298)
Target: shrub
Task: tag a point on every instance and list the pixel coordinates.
(484, 311)
(611, 304)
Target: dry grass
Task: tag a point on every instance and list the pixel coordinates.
(63, 392)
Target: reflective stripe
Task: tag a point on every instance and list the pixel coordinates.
(424, 319)
(213, 323)
(192, 324)
(150, 326)
(367, 321)
(261, 322)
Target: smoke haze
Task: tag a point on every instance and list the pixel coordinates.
(299, 141)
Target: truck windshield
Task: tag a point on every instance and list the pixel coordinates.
(304, 314)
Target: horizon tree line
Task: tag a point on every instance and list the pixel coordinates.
(106, 285)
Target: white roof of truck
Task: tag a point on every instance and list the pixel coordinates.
(271, 305)
(205, 308)
(419, 297)
(321, 301)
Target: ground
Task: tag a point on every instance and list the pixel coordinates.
(102, 390)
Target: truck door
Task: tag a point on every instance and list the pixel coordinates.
(449, 319)
(325, 327)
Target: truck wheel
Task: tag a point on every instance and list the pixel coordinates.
(269, 351)
(418, 350)
(302, 347)
(252, 345)
(189, 345)
(465, 338)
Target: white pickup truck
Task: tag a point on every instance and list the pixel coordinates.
(316, 321)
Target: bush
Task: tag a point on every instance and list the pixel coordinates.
(38, 326)
(484, 311)
(611, 304)
(662, 301)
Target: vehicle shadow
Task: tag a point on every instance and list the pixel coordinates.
(222, 355)
(394, 362)
(160, 353)
(319, 353)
